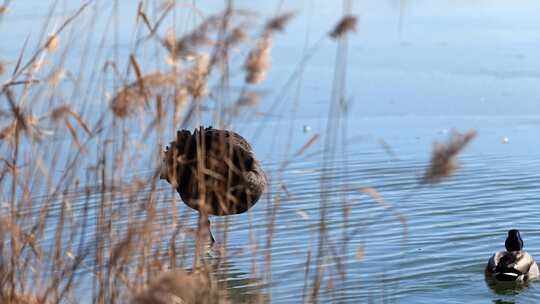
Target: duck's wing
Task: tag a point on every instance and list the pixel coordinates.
(231, 144)
(534, 273)
(494, 261)
(525, 263)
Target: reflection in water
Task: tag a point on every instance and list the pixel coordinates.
(503, 302)
(507, 287)
(241, 287)
(224, 283)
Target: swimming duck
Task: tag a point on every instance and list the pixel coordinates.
(214, 171)
(514, 264)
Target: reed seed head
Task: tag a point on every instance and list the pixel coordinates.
(258, 60)
(278, 23)
(249, 98)
(52, 43)
(170, 41)
(187, 45)
(57, 76)
(236, 36)
(135, 94)
(60, 112)
(345, 25)
(443, 162)
(7, 131)
(197, 85)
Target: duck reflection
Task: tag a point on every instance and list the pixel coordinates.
(505, 287)
(222, 284)
(241, 286)
(499, 301)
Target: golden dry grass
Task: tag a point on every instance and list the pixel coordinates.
(43, 257)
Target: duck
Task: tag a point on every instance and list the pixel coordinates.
(214, 171)
(514, 264)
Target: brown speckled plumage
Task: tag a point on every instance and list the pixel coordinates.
(228, 181)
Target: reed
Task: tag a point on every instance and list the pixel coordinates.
(443, 159)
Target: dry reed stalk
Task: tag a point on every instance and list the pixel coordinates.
(141, 14)
(443, 162)
(135, 94)
(380, 200)
(21, 299)
(258, 60)
(345, 25)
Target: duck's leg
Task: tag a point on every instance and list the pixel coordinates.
(212, 240)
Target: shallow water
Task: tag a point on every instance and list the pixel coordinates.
(415, 71)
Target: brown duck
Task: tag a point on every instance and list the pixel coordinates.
(514, 264)
(214, 171)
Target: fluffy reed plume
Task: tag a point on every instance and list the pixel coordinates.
(52, 43)
(57, 76)
(197, 76)
(3, 9)
(7, 131)
(170, 42)
(248, 99)
(258, 60)
(443, 162)
(180, 287)
(236, 36)
(278, 23)
(27, 124)
(345, 25)
(65, 111)
(1, 68)
(135, 94)
(188, 44)
(60, 112)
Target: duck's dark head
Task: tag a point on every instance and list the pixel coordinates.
(513, 241)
